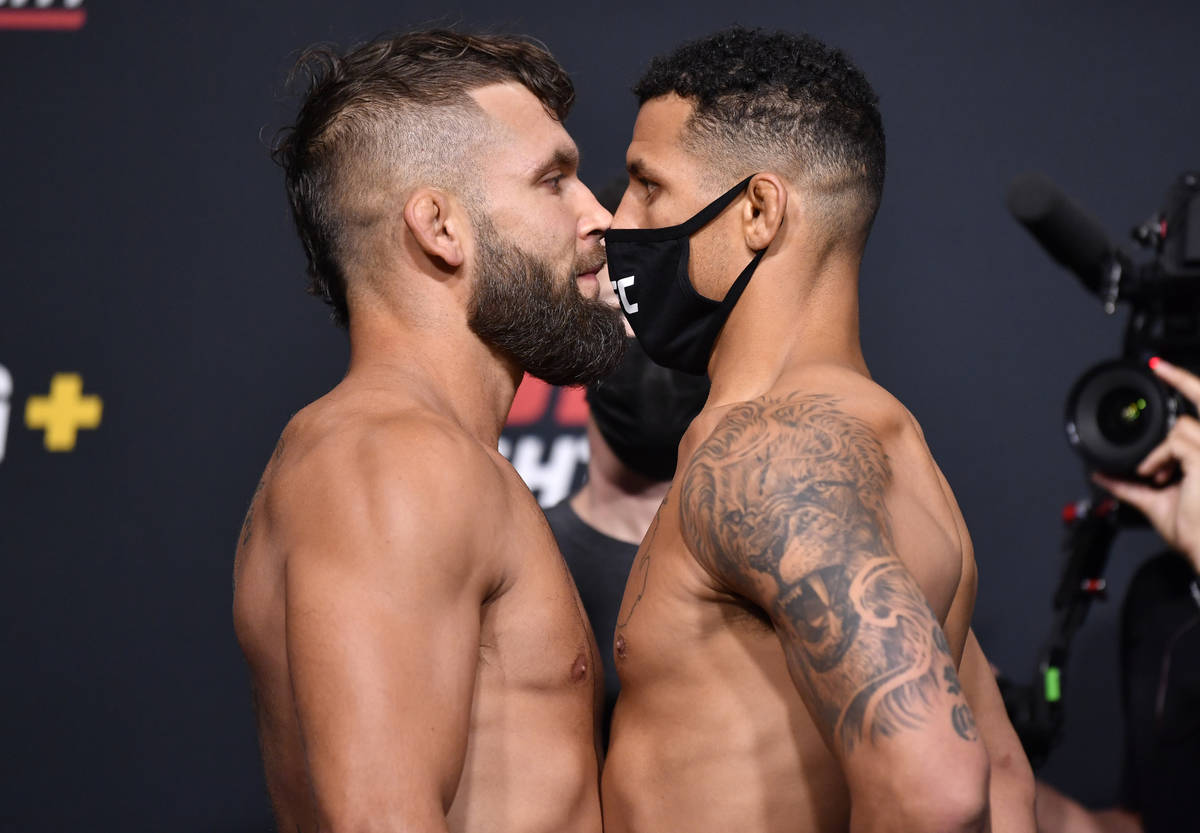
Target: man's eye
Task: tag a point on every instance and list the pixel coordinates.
(555, 182)
(649, 186)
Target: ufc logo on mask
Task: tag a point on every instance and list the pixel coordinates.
(629, 308)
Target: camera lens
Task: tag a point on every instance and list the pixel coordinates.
(1122, 416)
(1116, 414)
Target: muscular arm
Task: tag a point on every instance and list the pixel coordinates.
(1011, 788)
(383, 619)
(783, 504)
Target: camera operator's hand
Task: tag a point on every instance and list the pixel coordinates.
(1174, 510)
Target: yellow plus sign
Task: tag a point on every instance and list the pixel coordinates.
(63, 412)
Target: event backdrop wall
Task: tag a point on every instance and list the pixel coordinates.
(153, 301)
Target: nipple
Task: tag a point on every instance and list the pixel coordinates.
(620, 647)
(580, 669)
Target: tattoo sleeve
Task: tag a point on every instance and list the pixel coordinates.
(784, 503)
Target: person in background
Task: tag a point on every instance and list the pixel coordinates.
(1160, 647)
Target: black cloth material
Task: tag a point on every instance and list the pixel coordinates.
(1160, 659)
(600, 565)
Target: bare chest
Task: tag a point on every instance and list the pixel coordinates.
(671, 618)
(534, 632)
(676, 622)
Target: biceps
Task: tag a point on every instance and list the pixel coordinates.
(868, 654)
(383, 677)
(784, 504)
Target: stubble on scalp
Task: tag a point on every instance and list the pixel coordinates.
(431, 146)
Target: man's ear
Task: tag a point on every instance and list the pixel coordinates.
(438, 225)
(764, 211)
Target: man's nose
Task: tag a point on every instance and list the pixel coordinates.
(594, 219)
(622, 217)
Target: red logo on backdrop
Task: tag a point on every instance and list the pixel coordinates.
(536, 399)
(544, 440)
(42, 15)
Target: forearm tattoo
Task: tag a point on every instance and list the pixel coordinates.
(784, 502)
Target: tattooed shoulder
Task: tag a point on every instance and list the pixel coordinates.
(798, 468)
(785, 504)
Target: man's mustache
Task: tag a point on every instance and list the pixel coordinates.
(591, 262)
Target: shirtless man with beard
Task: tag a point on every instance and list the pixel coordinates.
(419, 656)
(794, 642)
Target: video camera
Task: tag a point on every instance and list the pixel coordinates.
(1117, 412)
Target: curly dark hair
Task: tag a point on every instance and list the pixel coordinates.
(395, 111)
(780, 101)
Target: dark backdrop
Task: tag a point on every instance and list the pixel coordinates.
(145, 244)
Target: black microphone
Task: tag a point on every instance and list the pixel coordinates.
(1068, 233)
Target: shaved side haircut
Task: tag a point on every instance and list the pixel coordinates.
(783, 103)
(385, 118)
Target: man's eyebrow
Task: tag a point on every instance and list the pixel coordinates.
(638, 169)
(564, 156)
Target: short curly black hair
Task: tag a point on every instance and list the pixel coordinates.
(783, 102)
(391, 113)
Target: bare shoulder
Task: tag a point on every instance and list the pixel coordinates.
(814, 452)
(857, 397)
(399, 474)
(814, 396)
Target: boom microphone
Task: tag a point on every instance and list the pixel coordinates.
(1068, 233)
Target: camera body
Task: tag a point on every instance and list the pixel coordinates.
(1119, 411)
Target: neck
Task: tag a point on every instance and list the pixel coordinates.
(615, 500)
(791, 314)
(439, 362)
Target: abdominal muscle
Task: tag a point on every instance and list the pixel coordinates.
(530, 764)
(522, 772)
(720, 742)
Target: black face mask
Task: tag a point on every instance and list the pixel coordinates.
(642, 411)
(648, 268)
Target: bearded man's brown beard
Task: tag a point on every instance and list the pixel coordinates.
(540, 319)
